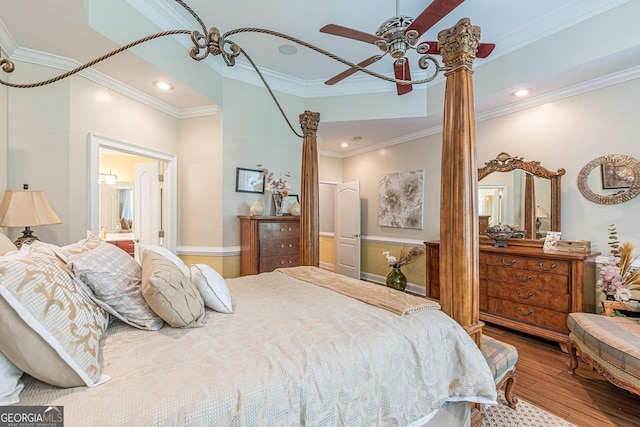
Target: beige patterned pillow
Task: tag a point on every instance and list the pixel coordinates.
(91, 242)
(49, 328)
(169, 293)
(114, 280)
(6, 245)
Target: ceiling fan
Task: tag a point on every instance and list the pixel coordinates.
(397, 35)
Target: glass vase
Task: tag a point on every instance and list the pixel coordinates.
(277, 202)
(396, 279)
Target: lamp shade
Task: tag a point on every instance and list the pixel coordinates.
(26, 208)
(541, 213)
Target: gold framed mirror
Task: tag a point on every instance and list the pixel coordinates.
(618, 181)
(532, 193)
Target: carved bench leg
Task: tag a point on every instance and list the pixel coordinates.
(572, 365)
(512, 400)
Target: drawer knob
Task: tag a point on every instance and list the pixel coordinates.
(542, 267)
(282, 245)
(529, 312)
(513, 261)
(519, 279)
(529, 294)
(289, 228)
(290, 245)
(281, 262)
(282, 229)
(290, 261)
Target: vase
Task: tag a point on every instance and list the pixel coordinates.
(277, 202)
(396, 279)
(256, 208)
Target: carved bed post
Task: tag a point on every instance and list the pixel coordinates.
(459, 280)
(309, 188)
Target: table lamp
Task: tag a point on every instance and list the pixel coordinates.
(26, 208)
(540, 213)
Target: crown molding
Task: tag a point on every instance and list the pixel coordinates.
(7, 43)
(567, 92)
(66, 64)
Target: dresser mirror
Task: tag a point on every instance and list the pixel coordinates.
(515, 192)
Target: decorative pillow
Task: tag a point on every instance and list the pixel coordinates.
(169, 293)
(114, 280)
(49, 328)
(212, 287)
(10, 384)
(170, 256)
(91, 242)
(6, 245)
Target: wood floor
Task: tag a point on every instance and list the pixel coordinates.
(585, 399)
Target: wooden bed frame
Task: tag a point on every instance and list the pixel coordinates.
(459, 234)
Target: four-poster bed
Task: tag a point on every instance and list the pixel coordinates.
(306, 346)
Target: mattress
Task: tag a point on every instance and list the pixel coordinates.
(292, 353)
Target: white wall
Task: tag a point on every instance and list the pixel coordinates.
(200, 177)
(567, 134)
(47, 130)
(255, 133)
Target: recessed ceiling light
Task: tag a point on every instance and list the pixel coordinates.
(521, 92)
(344, 144)
(288, 49)
(163, 85)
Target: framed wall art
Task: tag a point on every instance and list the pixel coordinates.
(401, 200)
(249, 181)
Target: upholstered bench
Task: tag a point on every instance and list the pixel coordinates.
(610, 345)
(501, 358)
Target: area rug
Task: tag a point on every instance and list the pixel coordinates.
(525, 415)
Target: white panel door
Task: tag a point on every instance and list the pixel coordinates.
(147, 204)
(348, 229)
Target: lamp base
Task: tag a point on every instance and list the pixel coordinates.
(27, 238)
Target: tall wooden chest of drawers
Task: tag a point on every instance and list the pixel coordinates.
(524, 288)
(268, 242)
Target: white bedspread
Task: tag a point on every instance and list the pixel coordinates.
(292, 354)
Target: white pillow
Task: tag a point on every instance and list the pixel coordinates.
(10, 384)
(169, 255)
(212, 287)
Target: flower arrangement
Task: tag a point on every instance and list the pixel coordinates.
(404, 258)
(616, 276)
(279, 186)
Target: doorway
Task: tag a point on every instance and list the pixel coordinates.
(166, 208)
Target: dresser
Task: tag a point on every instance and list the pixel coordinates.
(126, 245)
(268, 242)
(524, 288)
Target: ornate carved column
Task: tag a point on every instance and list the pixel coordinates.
(309, 227)
(459, 281)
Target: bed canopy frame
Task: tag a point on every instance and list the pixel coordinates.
(459, 280)
(458, 208)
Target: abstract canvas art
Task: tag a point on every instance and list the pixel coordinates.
(401, 199)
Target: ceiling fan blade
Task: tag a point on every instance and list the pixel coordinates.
(432, 14)
(338, 30)
(346, 73)
(402, 72)
(484, 49)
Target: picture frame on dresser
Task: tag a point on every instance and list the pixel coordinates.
(287, 202)
(250, 181)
